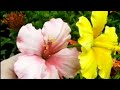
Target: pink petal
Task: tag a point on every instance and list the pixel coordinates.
(34, 67)
(57, 32)
(66, 61)
(53, 72)
(30, 40)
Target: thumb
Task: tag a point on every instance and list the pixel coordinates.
(7, 67)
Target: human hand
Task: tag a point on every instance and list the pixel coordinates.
(7, 67)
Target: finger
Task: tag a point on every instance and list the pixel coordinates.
(7, 68)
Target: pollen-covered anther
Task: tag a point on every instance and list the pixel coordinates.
(51, 40)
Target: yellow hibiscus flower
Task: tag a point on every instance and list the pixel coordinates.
(96, 46)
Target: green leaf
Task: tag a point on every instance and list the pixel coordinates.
(2, 52)
(117, 76)
(4, 41)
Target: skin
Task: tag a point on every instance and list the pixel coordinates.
(7, 68)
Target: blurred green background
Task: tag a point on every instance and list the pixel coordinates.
(11, 23)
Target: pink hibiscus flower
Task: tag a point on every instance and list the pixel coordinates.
(44, 52)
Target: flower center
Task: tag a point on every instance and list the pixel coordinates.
(46, 51)
(47, 48)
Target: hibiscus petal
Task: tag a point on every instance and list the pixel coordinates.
(57, 32)
(30, 40)
(53, 72)
(88, 64)
(98, 19)
(34, 67)
(86, 33)
(104, 61)
(109, 37)
(66, 61)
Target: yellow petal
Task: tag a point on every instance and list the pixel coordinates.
(86, 33)
(98, 19)
(88, 64)
(108, 39)
(104, 61)
(119, 46)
